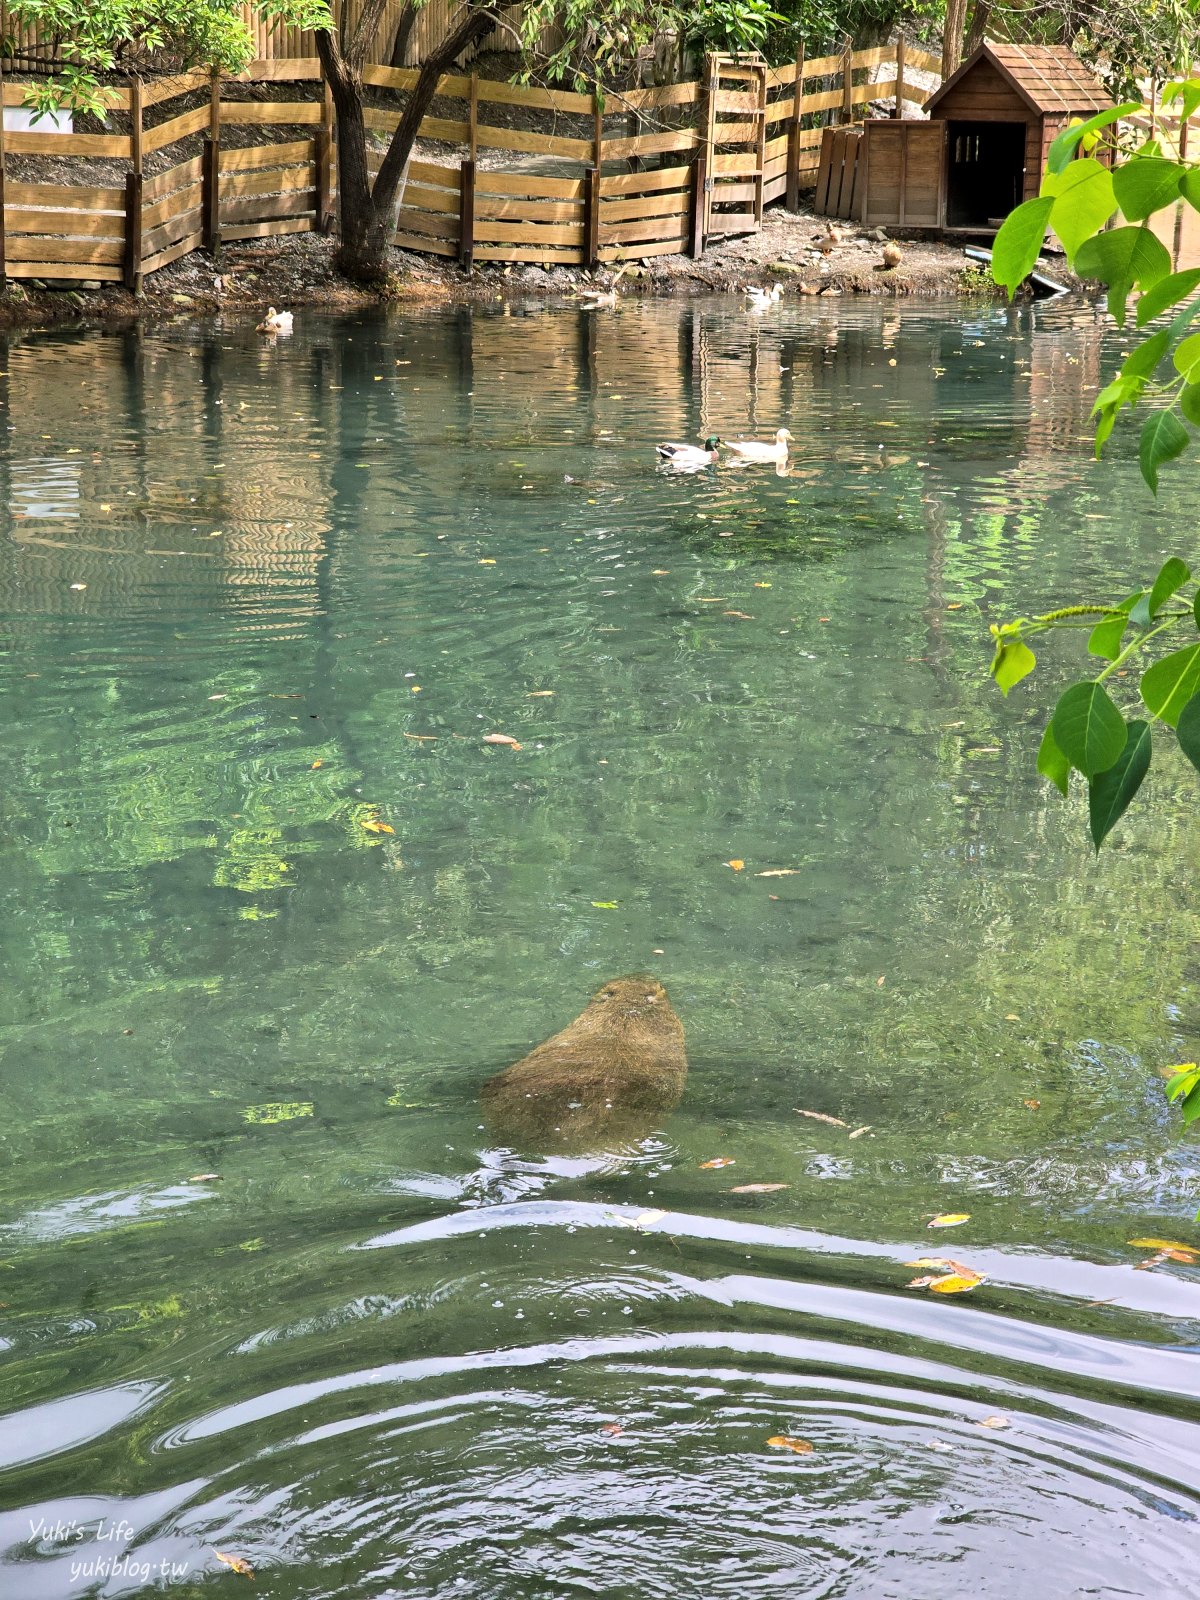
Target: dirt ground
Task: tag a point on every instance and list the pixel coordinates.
(295, 271)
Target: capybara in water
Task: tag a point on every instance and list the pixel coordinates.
(619, 1066)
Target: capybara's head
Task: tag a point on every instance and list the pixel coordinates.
(634, 996)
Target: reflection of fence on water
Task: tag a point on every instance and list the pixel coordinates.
(632, 174)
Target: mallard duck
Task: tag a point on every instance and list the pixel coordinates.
(760, 450)
(763, 299)
(690, 457)
(275, 322)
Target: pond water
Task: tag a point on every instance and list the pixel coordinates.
(260, 601)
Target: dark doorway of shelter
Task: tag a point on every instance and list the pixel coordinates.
(986, 172)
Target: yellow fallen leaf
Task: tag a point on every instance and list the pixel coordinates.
(779, 872)
(820, 1116)
(316, 765)
(799, 1447)
(205, 1177)
(423, 738)
(993, 1422)
(949, 1219)
(236, 1562)
(501, 738)
(956, 1283)
(373, 825)
(1161, 1244)
(758, 1188)
(661, 572)
(719, 1161)
(488, 561)
(743, 615)
(858, 1132)
(736, 864)
(613, 1428)
(1189, 1258)
(540, 694)
(1032, 1105)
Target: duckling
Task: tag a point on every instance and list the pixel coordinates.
(275, 322)
(892, 256)
(689, 457)
(832, 236)
(761, 450)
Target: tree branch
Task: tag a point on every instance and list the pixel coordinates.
(404, 30)
(365, 30)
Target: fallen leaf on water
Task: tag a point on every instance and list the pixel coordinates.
(217, 697)
(488, 561)
(661, 572)
(613, 1428)
(373, 825)
(940, 1446)
(942, 1263)
(719, 1161)
(539, 694)
(79, 586)
(744, 615)
(205, 1177)
(1162, 1244)
(783, 1441)
(501, 738)
(757, 1188)
(993, 1422)
(1011, 1016)
(1032, 1105)
(879, 982)
(236, 1562)
(736, 864)
(956, 1283)
(949, 1219)
(920, 1283)
(779, 872)
(762, 585)
(819, 1116)
(423, 738)
(316, 765)
(606, 905)
(645, 1219)
(712, 599)
(858, 1132)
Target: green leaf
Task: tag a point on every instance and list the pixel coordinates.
(1189, 188)
(1189, 403)
(1186, 358)
(1144, 185)
(1052, 764)
(1172, 575)
(1014, 661)
(1083, 201)
(1187, 729)
(1163, 438)
(1121, 258)
(1140, 614)
(1168, 292)
(1169, 684)
(1062, 151)
(1088, 728)
(1018, 244)
(1110, 792)
(1143, 358)
(1186, 91)
(1185, 1079)
(1105, 638)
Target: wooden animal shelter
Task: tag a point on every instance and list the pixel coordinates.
(978, 156)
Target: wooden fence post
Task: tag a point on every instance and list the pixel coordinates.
(132, 268)
(898, 111)
(3, 260)
(697, 203)
(473, 118)
(591, 220)
(848, 83)
(793, 147)
(133, 232)
(466, 214)
(210, 172)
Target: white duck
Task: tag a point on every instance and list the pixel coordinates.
(275, 322)
(761, 450)
(603, 299)
(689, 457)
(764, 299)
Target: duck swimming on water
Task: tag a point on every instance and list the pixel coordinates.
(689, 457)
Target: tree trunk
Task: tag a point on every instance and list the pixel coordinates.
(981, 15)
(368, 211)
(952, 37)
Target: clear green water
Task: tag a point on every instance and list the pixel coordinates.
(376, 1358)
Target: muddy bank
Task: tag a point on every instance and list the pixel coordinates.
(797, 250)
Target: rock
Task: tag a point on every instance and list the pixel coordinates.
(77, 299)
(784, 266)
(182, 300)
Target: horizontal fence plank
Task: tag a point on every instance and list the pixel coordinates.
(67, 196)
(269, 155)
(822, 66)
(646, 182)
(521, 252)
(624, 252)
(430, 173)
(175, 178)
(536, 144)
(650, 230)
(101, 252)
(774, 187)
(735, 165)
(422, 198)
(66, 144)
(174, 252)
(168, 233)
(520, 183)
(286, 113)
(780, 110)
(181, 127)
(736, 193)
(182, 200)
(661, 205)
(875, 57)
(426, 224)
(495, 208)
(302, 176)
(776, 147)
(922, 59)
(671, 94)
(651, 144)
(65, 224)
(284, 69)
(528, 233)
(732, 222)
(520, 94)
(160, 89)
(264, 230)
(739, 100)
(258, 207)
(437, 247)
(62, 269)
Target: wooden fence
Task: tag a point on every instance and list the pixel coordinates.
(642, 173)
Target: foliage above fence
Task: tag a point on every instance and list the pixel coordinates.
(583, 179)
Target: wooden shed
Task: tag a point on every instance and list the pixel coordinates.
(984, 147)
